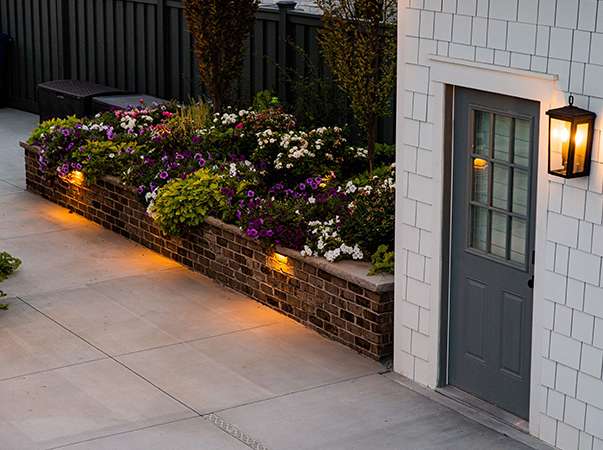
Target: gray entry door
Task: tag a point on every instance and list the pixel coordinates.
(493, 216)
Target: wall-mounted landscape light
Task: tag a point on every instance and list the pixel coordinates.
(570, 140)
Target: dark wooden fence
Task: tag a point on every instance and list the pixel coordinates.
(143, 46)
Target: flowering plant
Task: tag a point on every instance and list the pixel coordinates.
(324, 239)
(280, 184)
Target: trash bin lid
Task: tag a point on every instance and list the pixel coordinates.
(126, 101)
(77, 89)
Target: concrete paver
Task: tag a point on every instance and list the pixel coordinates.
(107, 345)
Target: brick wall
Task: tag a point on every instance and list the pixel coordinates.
(558, 37)
(355, 312)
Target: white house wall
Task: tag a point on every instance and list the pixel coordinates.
(563, 38)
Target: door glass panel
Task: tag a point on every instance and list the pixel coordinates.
(518, 240)
(500, 187)
(520, 192)
(523, 133)
(498, 244)
(482, 133)
(502, 137)
(479, 228)
(480, 180)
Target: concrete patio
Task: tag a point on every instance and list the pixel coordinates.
(107, 345)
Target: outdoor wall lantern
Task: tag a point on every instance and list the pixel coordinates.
(570, 140)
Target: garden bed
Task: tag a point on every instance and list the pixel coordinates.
(339, 300)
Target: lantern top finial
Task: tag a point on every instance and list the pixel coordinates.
(571, 100)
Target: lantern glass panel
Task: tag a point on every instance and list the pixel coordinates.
(560, 135)
(581, 144)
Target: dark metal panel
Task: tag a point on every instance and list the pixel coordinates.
(100, 39)
(130, 39)
(110, 49)
(120, 46)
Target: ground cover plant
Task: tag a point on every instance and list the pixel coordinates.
(304, 188)
(8, 265)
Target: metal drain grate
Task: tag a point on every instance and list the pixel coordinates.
(233, 431)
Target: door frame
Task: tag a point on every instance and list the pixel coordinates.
(446, 72)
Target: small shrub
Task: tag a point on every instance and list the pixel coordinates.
(382, 261)
(372, 212)
(8, 265)
(99, 158)
(264, 100)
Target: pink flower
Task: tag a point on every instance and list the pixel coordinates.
(239, 125)
(167, 114)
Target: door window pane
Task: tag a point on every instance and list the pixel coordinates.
(500, 162)
(502, 137)
(479, 228)
(518, 240)
(482, 133)
(522, 142)
(498, 245)
(520, 192)
(500, 187)
(480, 180)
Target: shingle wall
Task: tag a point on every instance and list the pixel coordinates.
(560, 37)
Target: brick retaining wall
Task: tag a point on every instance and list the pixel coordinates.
(338, 300)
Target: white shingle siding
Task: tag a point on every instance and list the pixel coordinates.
(559, 37)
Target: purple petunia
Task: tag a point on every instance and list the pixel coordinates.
(250, 194)
(164, 175)
(252, 233)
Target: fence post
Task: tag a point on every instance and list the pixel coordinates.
(284, 6)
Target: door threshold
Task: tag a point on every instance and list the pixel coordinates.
(482, 416)
(471, 401)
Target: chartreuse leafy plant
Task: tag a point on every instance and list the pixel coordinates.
(382, 261)
(182, 205)
(8, 264)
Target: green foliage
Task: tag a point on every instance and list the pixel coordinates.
(183, 205)
(100, 158)
(219, 29)
(264, 100)
(45, 127)
(358, 41)
(372, 219)
(8, 265)
(191, 117)
(382, 261)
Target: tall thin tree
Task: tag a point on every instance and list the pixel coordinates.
(358, 41)
(219, 29)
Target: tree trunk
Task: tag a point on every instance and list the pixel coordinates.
(372, 140)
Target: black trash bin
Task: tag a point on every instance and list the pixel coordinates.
(62, 98)
(4, 43)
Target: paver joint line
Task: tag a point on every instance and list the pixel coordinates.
(235, 432)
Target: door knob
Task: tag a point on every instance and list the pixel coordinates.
(531, 283)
